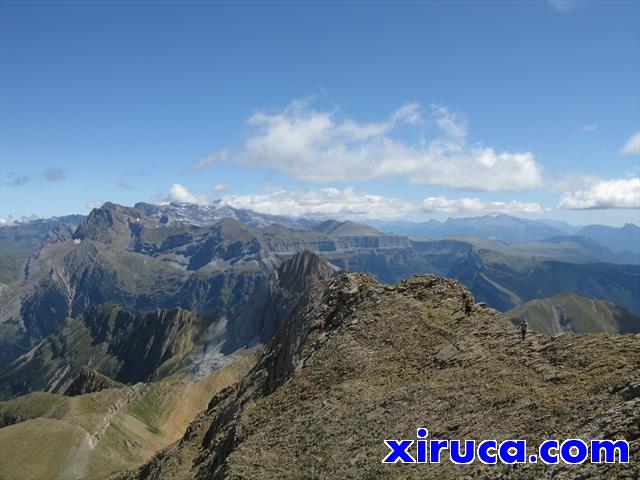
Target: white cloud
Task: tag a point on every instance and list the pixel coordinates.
(180, 194)
(210, 160)
(623, 193)
(409, 113)
(631, 146)
(459, 205)
(11, 220)
(219, 187)
(122, 183)
(571, 181)
(324, 147)
(452, 123)
(349, 203)
(325, 202)
(54, 174)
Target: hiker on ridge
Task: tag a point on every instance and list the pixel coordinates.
(523, 328)
(467, 299)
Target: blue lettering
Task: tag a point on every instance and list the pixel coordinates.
(609, 448)
(422, 445)
(567, 451)
(513, 451)
(436, 447)
(462, 458)
(545, 452)
(483, 452)
(398, 451)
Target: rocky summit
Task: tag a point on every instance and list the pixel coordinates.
(88, 380)
(358, 362)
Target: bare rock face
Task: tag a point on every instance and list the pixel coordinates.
(128, 347)
(358, 362)
(110, 223)
(304, 269)
(88, 380)
(132, 347)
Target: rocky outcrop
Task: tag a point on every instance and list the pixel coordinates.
(110, 223)
(302, 270)
(358, 362)
(88, 380)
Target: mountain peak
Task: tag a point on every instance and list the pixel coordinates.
(303, 269)
(88, 380)
(108, 223)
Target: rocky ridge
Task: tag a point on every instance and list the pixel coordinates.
(358, 362)
(88, 380)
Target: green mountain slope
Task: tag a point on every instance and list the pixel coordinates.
(569, 312)
(93, 436)
(9, 269)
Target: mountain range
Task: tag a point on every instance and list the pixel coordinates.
(224, 263)
(118, 327)
(510, 229)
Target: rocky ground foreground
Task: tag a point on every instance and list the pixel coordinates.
(358, 362)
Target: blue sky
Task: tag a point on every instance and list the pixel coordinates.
(358, 110)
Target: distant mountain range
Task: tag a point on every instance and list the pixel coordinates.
(617, 239)
(231, 267)
(509, 229)
(118, 327)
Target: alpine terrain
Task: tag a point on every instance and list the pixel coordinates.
(161, 341)
(358, 362)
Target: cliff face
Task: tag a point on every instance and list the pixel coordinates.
(124, 346)
(358, 362)
(131, 347)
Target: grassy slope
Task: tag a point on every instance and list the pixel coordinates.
(9, 268)
(571, 312)
(70, 436)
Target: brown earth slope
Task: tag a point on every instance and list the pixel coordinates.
(358, 362)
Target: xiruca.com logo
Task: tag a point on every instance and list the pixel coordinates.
(569, 451)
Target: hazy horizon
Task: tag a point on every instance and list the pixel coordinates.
(440, 218)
